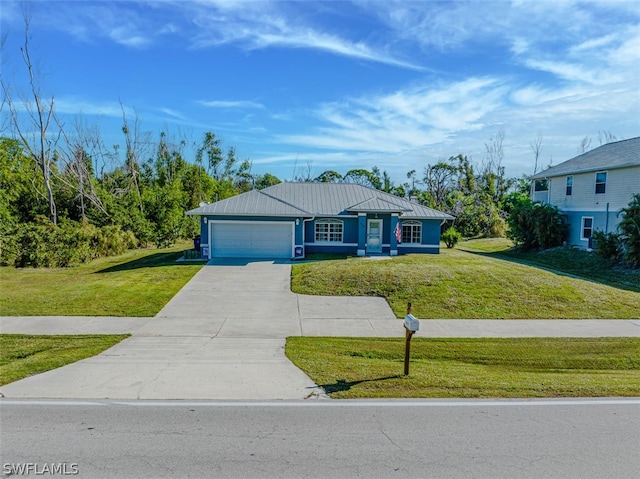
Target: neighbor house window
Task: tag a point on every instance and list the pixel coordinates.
(587, 227)
(329, 231)
(601, 182)
(541, 185)
(411, 232)
(569, 185)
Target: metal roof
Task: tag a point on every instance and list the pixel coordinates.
(251, 203)
(619, 154)
(316, 199)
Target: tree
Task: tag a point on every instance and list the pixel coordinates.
(135, 143)
(40, 113)
(328, 176)
(605, 137)
(360, 176)
(439, 181)
(584, 145)
(244, 180)
(411, 187)
(536, 147)
(210, 148)
(266, 180)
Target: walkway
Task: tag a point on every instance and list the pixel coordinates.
(222, 337)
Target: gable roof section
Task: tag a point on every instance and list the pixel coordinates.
(317, 199)
(619, 154)
(251, 203)
(377, 205)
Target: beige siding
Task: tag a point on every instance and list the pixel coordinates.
(622, 184)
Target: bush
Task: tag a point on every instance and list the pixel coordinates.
(608, 245)
(42, 244)
(629, 229)
(451, 237)
(536, 226)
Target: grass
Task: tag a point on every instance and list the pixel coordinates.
(470, 368)
(466, 285)
(22, 355)
(579, 263)
(137, 283)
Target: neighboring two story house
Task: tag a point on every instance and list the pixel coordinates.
(592, 188)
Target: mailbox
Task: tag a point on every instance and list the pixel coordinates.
(411, 323)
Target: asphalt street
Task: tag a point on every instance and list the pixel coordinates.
(318, 439)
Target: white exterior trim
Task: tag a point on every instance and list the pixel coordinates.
(415, 245)
(374, 220)
(393, 252)
(586, 210)
(330, 244)
(361, 252)
(582, 238)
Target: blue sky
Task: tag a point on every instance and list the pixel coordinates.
(340, 85)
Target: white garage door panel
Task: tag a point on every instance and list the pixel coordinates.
(251, 240)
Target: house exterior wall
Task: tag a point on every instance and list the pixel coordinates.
(430, 241)
(354, 234)
(604, 208)
(621, 185)
(350, 233)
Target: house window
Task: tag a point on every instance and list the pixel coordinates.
(541, 185)
(587, 227)
(411, 232)
(329, 231)
(569, 185)
(601, 183)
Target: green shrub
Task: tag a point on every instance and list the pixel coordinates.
(42, 244)
(451, 237)
(536, 226)
(629, 229)
(608, 245)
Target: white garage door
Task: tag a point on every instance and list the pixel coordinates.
(251, 240)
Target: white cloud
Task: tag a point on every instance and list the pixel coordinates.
(260, 25)
(403, 120)
(75, 106)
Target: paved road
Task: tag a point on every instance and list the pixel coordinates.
(347, 439)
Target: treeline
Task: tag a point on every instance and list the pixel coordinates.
(479, 195)
(75, 199)
(93, 202)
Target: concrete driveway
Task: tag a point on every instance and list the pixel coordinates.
(221, 337)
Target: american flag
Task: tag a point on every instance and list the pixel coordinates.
(398, 233)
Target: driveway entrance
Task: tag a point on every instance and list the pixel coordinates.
(221, 337)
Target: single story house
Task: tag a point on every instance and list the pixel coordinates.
(291, 220)
(592, 188)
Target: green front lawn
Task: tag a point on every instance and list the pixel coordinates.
(467, 285)
(22, 355)
(579, 263)
(470, 368)
(137, 283)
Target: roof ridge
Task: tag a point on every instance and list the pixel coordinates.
(284, 202)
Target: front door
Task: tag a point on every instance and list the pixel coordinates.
(374, 236)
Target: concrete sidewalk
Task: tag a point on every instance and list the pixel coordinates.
(309, 326)
(223, 335)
